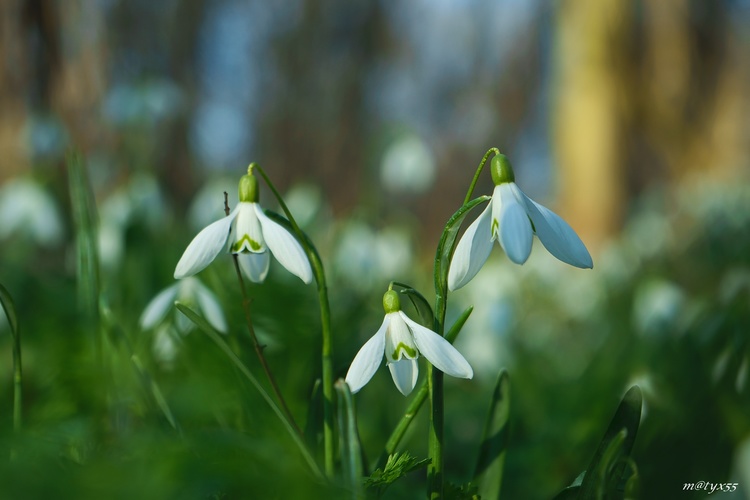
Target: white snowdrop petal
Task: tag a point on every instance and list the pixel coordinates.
(404, 373)
(205, 247)
(515, 232)
(255, 265)
(557, 236)
(472, 250)
(247, 235)
(368, 359)
(158, 308)
(285, 247)
(209, 304)
(439, 351)
(398, 340)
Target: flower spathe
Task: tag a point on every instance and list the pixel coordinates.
(401, 340)
(250, 234)
(512, 218)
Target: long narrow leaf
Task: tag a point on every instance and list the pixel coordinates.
(488, 475)
(447, 244)
(419, 302)
(213, 335)
(10, 312)
(627, 417)
(351, 449)
(85, 219)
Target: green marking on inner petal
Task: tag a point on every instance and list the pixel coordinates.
(495, 225)
(410, 352)
(254, 245)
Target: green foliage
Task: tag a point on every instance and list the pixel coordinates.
(466, 491)
(611, 467)
(488, 475)
(397, 466)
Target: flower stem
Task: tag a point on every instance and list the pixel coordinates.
(478, 172)
(435, 385)
(325, 323)
(259, 350)
(435, 377)
(254, 338)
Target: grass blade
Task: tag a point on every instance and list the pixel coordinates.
(83, 206)
(488, 475)
(10, 311)
(351, 449)
(213, 335)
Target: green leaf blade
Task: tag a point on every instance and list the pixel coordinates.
(488, 474)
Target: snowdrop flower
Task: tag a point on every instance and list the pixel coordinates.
(402, 339)
(248, 233)
(512, 218)
(27, 209)
(189, 291)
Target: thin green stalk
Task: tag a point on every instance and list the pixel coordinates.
(256, 344)
(259, 351)
(83, 206)
(478, 172)
(435, 377)
(10, 312)
(325, 323)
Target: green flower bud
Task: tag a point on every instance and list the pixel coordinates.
(391, 302)
(501, 169)
(248, 190)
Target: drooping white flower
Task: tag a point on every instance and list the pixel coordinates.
(188, 291)
(402, 340)
(28, 210)
(512, 218)
(251, 235)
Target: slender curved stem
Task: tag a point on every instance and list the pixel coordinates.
(478, 172)
(435, 377)
(325, 324)
(256, 345)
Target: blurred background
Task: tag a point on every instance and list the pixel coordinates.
(629, 119)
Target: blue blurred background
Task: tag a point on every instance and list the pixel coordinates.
(629, 119)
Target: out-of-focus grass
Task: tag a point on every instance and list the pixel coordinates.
(667, 307)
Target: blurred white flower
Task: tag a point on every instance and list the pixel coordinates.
(401, 340)
(364, 257)
(189, 291)
(27, 209)
(407, 166)
(657, 305)
(138, 200)
(512, 218)
(251, 235)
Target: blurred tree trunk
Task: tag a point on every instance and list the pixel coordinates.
(657, 97)
(80, 83)
(13, 151)
(695, 107)
(587, 117)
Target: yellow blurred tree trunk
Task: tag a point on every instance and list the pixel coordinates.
(657, 97)
(587, 118)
